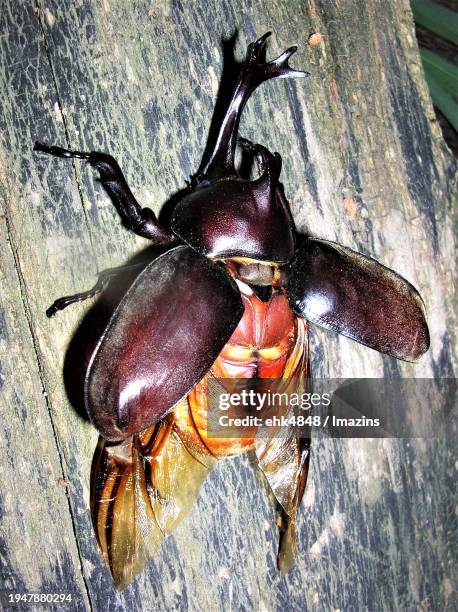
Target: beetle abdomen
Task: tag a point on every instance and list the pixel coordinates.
(263, 340)
(268, 343)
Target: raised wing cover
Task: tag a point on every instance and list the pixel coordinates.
(356, 296)
(161, 340)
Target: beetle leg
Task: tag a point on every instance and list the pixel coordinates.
(103, 279)
(141, 221)
(255, 70)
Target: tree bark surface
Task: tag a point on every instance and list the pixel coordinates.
(364, 164)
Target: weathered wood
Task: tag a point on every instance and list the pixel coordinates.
(364, 164)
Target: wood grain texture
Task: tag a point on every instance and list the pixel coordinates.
(364, 165)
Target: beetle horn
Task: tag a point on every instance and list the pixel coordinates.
(264, 158)
(254, 72)
(269, 166)
(273, 170)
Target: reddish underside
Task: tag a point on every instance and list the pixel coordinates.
(262, 346)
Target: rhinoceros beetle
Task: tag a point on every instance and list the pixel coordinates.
(231, 297)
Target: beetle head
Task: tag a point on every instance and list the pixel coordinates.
(226, 216)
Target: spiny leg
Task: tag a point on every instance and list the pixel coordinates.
(140, 220)
(103, 279)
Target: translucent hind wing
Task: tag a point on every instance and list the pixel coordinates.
(141, 489)
(283, 453)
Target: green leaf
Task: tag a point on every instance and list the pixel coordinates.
(445, 73)
(442, 99)
(439, 19)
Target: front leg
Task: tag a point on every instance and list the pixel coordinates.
(141, 221)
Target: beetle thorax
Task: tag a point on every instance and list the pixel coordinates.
(253, 272)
